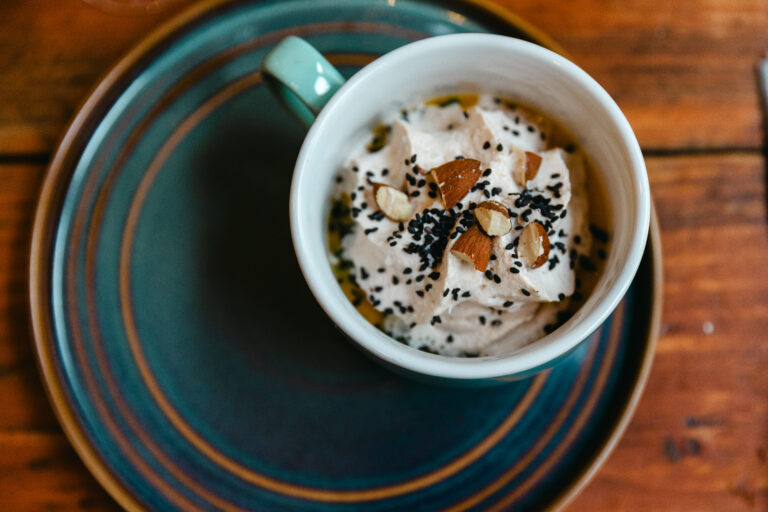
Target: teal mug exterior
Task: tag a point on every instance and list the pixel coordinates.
(300, 77)
(337, 112)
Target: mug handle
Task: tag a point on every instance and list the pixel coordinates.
(300, 77)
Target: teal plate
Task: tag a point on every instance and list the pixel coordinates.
(185, 356)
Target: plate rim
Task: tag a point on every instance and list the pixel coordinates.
(47, 216)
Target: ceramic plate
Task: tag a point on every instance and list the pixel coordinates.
(183, 353)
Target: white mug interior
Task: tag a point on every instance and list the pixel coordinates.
(482, 63)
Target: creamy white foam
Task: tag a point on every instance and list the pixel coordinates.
(437, 301)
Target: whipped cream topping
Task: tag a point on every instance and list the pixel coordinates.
(432, 299)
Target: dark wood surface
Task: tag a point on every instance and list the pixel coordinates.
(683, 72)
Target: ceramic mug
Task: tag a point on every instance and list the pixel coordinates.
(492, 64)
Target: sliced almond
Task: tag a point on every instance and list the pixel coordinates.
(533, 246)
(473, 246)
(528, 170)
(493, 218)
(392, 202)
(455, 179)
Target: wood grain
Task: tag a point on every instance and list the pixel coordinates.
(699, 440)
(683, 72)
(41, 472)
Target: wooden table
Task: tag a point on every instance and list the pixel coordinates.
(683, 72)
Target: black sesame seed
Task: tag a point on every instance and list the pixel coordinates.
(415, 193)
(489, 274)
(409, 281)
(499, 147)
(370, 230)
(407, 162)
(392, 244)
(486, 145)
(508, 303)
(395, 280)
(481, 319)
(496, 279)
(563, 214)
(428, 287)
(586, 263)
(509, 246)
(516, 133)
(419, 278)
(388, 311)
(381, 270)
(413, 158)
(601, 254)
(556, 175)
(496, 323)
(355, 169)
(339, 179)
(407, 270)
(449, 339)
(561, 296)
(495, 191)
(434, 275)
(446, 292)
(514, 270)
(364, 205)
(577, 239)
(421, 183)
(598, 233)
(378, 289)
(525, 292)
(384, 172)
(493, 257)
(487, 194)
(531, 129)
(420, 293)
(363, 273)
(519, 264)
